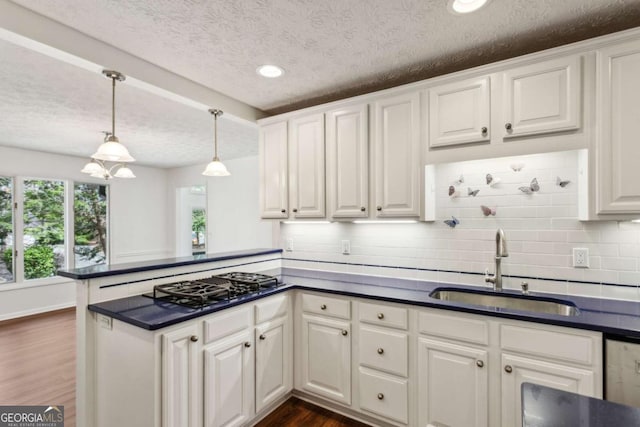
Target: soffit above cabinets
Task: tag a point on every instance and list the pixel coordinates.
(332, 49)
(52, 106)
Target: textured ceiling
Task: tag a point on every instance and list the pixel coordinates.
(331, 48)
(51, 106)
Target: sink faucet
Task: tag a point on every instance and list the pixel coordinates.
(501, 252)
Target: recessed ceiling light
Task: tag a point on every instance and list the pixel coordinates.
(466, 6)
(271, 71)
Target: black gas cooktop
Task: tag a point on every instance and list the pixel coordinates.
(203, 292)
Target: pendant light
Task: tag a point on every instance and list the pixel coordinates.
(111, 150)
(215, 167)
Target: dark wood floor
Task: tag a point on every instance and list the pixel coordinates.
(38, 361)
(298, 413)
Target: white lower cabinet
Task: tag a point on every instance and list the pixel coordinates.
(228, 381)
(273, 362)
(453, 384)
(517, 370)
(181, 388)
(384, 395)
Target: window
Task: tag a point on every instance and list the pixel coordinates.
(43, 228)
(6, 230)
(90, 224)
(39, 233)
(198, 229)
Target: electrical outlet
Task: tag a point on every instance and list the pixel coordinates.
(288, 245)
(346, 247)
(105, 322)
(581, 257)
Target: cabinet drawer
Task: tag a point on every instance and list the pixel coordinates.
(454, 327)
(326, 305)
(271, 308)
(383, 315)
(565, 346)
(384, 350)
(226, 323)
(384, 395)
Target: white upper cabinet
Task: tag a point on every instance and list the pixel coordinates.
(459, 113)
(618, 146)
(274, 188)
(348, 162)
(306, 166)
(397, 155)
(543, 97)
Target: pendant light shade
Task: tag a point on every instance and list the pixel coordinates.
(215, 167)
(111, 150)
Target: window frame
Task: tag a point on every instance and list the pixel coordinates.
(17, 200)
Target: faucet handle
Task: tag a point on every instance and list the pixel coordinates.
(487, 276)
(525, 288)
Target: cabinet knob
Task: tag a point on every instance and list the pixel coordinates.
(283, 211)
(484, 130)
(380, 396)
(508, 126)
(193, 338)
(479, 363)
(247, 344)
(379, 208)
(362, 209)
(380, 350)
(323, 307)
(380, 316)
(295, 210)
(508, 369)
(263, 337)
(345, 332)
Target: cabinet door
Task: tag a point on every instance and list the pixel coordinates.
(397, 159)
(459, 113)
(348, 162)
(543, 97)
(229, 381)
(273, 362)
(273, 171)
(618, 150)
(326, 358)
(516, 370)
(453, 384)
(181, 382)
(306, 167)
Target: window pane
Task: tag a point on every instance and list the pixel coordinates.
(198, 230)
(90, 210)
(6, 230)
(43, 228)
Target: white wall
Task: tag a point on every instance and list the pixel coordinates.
(138, 223)
(233, 216)
(541, 230)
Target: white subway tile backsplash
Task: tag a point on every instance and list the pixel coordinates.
(541, 230)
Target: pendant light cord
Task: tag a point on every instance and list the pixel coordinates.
(113, 106)
(215, 135)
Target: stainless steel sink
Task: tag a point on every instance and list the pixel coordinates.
(511, 302)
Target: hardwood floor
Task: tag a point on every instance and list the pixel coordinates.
(297, 413)
(38, 361)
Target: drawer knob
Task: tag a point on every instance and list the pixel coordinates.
(295, 210)
(508, 369)
(380, 316)
(380, 396)
(485, 130)
(362, 209)
(379, 208)
(380, 350)
(263, 337)
(508, 126)
(323, 307)
(247, 344)
(194, 338)
(283, 211)
(345, 332)
(479, 363)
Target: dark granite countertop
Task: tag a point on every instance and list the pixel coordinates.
(157, 264)
(603, 315)
(547, 407)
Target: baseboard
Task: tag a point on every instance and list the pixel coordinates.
(269, 409)
(40, 311)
